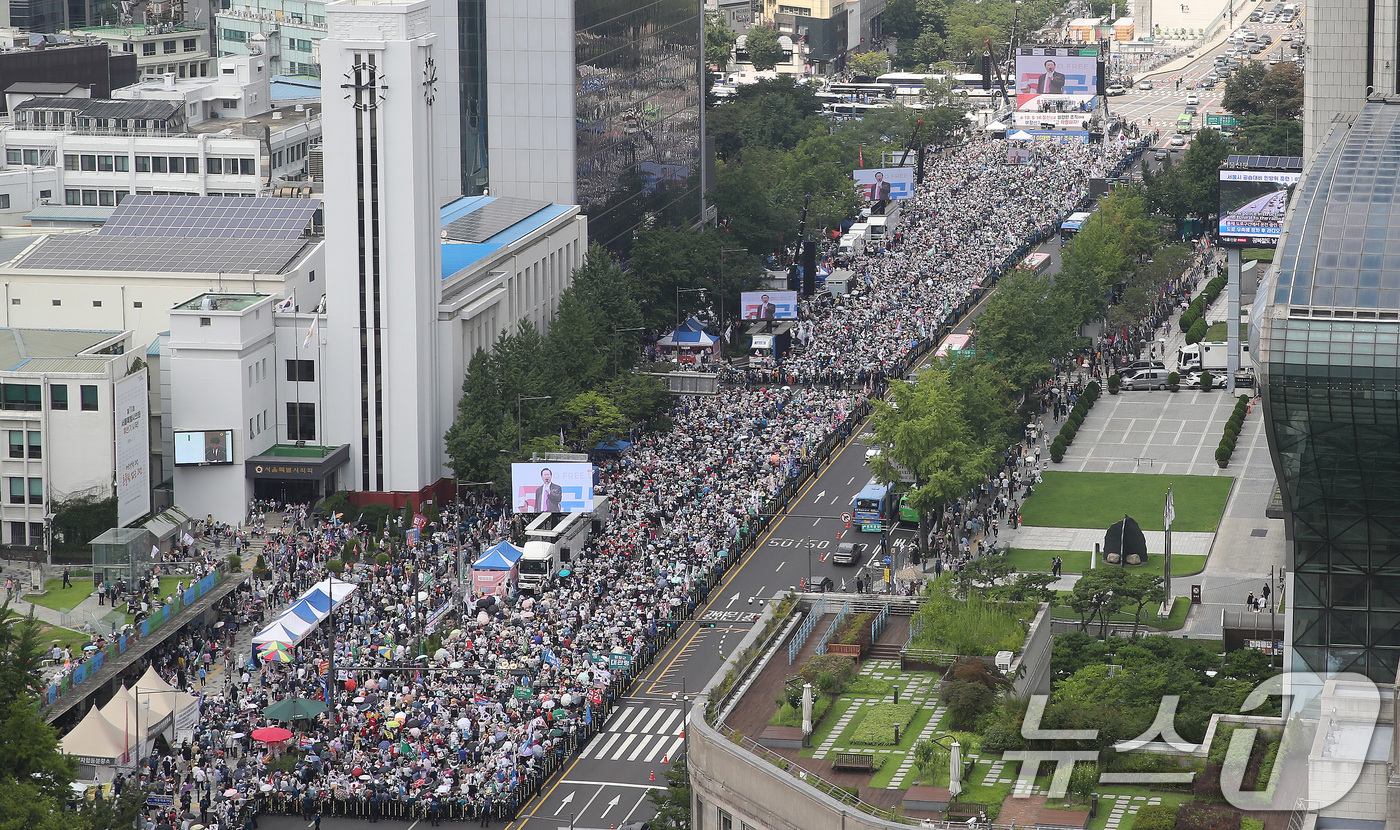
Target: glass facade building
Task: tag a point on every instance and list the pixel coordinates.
(1328, 328)
(638, 105)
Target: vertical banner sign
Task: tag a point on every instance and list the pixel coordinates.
(131, 412)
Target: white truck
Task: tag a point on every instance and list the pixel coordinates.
(1207, 356)
(852, 244)
(884, 227)
(552, 540)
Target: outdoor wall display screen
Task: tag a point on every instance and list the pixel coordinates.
(769, 305)
(1252, 206)
(1057, 72)
(206, 446)
(551, 487)
(877, 184)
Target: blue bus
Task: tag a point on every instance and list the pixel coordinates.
(872, 506)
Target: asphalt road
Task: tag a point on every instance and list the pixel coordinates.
(609, 783)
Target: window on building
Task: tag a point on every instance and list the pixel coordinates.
(148, 50)
(72, 196)
(16, 490)
(301, 421)
(17, 534)
(191, 44)
(36, 533)
(36, 444)
(123, 164)
(58, 396)
(171, 47)
(98, 303)
(245, 167)
(44, 157)
(726, 821)
(14, 155)
(88, 163)
(233, 35)
(106, 198)
(17, 443)
(70, 161)
(57, 302)
(229, 103)
(158, 164)
(26, 397)
(177, 164)
(301, 370)
(36, 491)
(191, 164)
(215, 166)
(128, 47)
(105, 164)
(206, 321)
(89, 398)
(136, 304)
(89, 199)
(4, 201)
(143, 164)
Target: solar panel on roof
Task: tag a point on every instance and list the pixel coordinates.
(492, 218)
(222, 217)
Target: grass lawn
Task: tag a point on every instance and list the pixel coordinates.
(1217, 333)
(1099, 822)
(62, 599)
(1077, 561)
(1175, 620)
(65, 636)
(1099, 499)
(823, 731)
(993, 796)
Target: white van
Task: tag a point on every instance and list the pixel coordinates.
(1145, 379)
(852, 244)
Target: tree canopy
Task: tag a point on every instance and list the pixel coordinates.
(764, 50)
(34, 775)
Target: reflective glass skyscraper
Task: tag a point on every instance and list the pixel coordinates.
(1328, 323)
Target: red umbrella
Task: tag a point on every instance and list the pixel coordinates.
(271, 734)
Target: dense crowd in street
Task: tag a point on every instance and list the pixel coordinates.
(512, 681)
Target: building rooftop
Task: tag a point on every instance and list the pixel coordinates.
(21, 348)
(69, 213)
(186, 234)
(281, 118)
(105, 107)
(1341, 237)
(138, 32)
(475, 227)
(219, 302)
(296, 88)
(41, 88)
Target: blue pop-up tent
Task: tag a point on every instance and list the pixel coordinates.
(495, 569)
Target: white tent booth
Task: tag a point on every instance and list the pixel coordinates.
(163, 698)
(306, 612)
(101, 747)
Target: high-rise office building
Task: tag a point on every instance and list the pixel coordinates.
(1352, 53)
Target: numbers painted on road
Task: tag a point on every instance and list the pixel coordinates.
(817, 544)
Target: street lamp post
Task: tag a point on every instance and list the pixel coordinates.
(616, 332)
(519, 423)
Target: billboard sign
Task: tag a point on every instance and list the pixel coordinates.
(203, 447)
(551, 487)
(1069, 74)
(130, 409)
(1051, 120)
(768, 305)
(1253, 204)
(881, 183)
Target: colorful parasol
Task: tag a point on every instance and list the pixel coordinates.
(275, 652)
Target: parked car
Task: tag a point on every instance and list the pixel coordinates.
(1116, 89)
(1145, 379)
(848, 553)
(871, 453)
(1145, 85)
(1141, 364)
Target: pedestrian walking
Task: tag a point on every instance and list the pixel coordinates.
(67, 583)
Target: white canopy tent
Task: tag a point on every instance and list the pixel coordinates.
(317, 601)
(100, 747)
(166, 699)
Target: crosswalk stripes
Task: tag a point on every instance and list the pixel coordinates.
(644, 734)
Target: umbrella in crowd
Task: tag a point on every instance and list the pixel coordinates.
(275, 652)
(292, 708)
(271, 734)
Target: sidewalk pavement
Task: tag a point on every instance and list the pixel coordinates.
(1177, 64)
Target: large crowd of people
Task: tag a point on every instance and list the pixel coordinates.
(510, 683)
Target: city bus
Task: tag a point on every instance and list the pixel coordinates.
(863, 92)
(1072, 225)
(1036, 263)
(907, 513)
(872, 506)
(1184, 123)
(908, 84)
(953, 344)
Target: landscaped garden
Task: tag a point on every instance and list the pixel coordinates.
(1077, 561)
(1097, 500)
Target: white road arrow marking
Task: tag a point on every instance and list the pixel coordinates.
(611, 804)
(564, 803)
(732, 600)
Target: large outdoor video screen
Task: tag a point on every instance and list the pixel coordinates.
(1048, 71)
(206, 446)
(1252, 206)
(769, 305)
(551, 487)
(880, 183)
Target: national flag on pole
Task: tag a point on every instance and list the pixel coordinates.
(1169, 513)
(860, 155)
(155, 552)
(311, 332)
(289, 304)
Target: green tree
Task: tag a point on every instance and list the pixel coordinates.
(673, 803)
(1024, 326)
(1268, 136)
(1281, 91)
(1096, 597)
(774, 114)
(1242, 89)
(928, 438)
(1139, 592)
(34, 774)
(966, 702)
(595, 418)
(868, 63)
(761, 44)
(1200, 168)
(719, 42)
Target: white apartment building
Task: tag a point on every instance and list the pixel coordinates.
(176, 48)
(291, 29)
(56, 413)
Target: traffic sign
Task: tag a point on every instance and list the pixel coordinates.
(846, 517)
(871, 527)
(1220, 119)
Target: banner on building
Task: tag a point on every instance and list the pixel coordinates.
(131, 410)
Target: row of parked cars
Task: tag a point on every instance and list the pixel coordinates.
(1152, 374)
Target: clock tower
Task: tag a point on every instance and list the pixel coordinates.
(383, 260)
